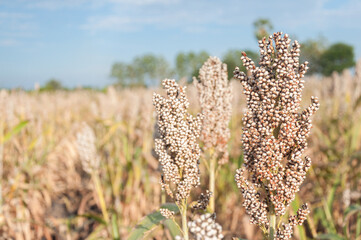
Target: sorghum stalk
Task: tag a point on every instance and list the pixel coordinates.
(100, 193)
(212, 181)
(274, 135)
(215, 100)
(184, 220)
(176, 146)
(272, 229)
(90, 162)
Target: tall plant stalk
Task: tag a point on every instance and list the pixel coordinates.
(184, 220)
(100, 194)
(91, 162)
(272, 227)
(212, 181)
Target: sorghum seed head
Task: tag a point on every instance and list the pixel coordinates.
(177, 146)
(274, 130)
(86, 149)
(203, 201)
(205, 228)
(215, 97)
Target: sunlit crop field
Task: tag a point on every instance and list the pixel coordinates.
(46, 194)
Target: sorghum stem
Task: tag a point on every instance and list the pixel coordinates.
(100, 194)
(212, 173)
(184, 220)
(163, 197)
(272, 228)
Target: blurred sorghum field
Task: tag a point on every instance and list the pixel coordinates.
(47, 194)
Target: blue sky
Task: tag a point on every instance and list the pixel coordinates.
(77, 41)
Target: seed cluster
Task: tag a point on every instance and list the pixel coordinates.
(215, 97)
(166, 213)
(206, 228)
(274, 132)
(256, 208)
(177, 146)
(203, 201)
(286, 230)
(87, 150)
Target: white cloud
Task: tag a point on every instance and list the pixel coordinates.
(188, 15)
(14, 27)
(95, 24)
(144, 2)
(57, 4)
(8, 42)
(60, 4)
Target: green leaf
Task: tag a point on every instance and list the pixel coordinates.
(320, 216)
(358, 225)
(14, 131)
(355, 208)
(95, 217)
(351, 210)
(115, 229)
(330, 236)
(330, 200)
(328, 215)
(172, 227)
(151, 221)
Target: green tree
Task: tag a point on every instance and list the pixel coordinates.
(311, 51)
(144, 70)
(263, 28)
(52, 85)
(337, 57)
(152, 68)
(233, 59)
(181, 65)
(188, 64)
(119, 71)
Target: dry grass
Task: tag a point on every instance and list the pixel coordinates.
(47, 194)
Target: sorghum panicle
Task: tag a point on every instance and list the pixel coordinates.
(177, 146)
(86, 149)
(285, 232)
(205, 228)
(274, 132)
(203, 201)
(215, 97)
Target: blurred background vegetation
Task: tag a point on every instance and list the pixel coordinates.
(47, 194)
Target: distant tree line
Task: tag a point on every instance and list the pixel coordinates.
(149, 69)
(323, 58)
(52, 85)
(142, 71)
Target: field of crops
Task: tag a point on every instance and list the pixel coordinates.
(48, 194)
